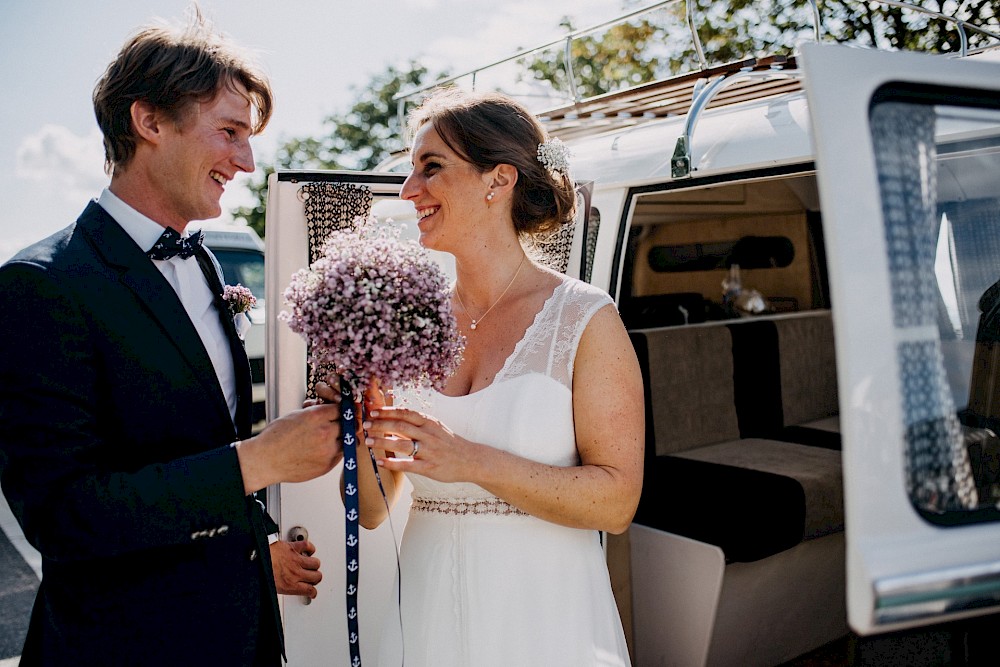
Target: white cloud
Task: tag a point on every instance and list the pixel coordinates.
(421, 5)
(73, 166)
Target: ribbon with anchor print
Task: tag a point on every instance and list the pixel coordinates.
(348, 426)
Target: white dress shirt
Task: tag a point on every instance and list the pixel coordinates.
(187, 279)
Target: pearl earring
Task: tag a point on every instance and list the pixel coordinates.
(489, 197)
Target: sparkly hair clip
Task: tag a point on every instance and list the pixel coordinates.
(554, 156)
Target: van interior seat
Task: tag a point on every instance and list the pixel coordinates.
(710, 474)
(785, 378)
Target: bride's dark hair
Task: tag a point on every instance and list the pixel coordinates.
(487, 129)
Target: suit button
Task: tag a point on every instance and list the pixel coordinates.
(253, 554)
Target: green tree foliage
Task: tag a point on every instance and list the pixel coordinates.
(617, 59)
(659, 43)
(361, 138)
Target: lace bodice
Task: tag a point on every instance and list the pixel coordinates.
(549, 345)
(528, 408)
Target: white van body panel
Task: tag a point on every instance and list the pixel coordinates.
(751, 135)
(316, 631)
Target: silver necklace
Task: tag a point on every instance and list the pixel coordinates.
(475, 322)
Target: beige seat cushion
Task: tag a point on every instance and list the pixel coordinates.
(691, 382)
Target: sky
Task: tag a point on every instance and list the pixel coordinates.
(316, 52)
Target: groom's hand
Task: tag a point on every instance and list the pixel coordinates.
(296, 570)
(296, 447)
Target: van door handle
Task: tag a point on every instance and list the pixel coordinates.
(300, 534)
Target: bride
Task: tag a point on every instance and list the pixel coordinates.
(535, 444)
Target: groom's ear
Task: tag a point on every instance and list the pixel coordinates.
(147, 121)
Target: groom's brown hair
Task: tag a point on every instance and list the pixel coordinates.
(172, 68)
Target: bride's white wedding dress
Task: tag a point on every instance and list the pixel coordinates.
(482, 583)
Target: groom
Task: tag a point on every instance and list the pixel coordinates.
(125, 392)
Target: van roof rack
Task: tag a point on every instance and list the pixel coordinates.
(687, 93)
(674, 96)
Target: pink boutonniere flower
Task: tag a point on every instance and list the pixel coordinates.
(239, 300)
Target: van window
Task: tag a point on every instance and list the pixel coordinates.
(747, 252)
(941, 219)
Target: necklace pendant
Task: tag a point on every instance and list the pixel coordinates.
(473, 325)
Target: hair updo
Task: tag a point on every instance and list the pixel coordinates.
(487, 129)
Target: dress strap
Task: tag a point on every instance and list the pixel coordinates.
(549, 345)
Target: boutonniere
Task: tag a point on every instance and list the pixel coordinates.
(239, 300)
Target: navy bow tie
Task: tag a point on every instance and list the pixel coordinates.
(171, 244)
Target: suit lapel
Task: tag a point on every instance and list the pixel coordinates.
(152, 290)
(240, 362)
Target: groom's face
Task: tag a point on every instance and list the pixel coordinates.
(201, 153)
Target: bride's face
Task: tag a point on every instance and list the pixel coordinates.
(447, 191)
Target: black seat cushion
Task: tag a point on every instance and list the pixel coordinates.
(749, 514)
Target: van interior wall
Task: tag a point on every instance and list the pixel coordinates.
(787, 288)
(684, 241)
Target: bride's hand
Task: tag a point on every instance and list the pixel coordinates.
(375, 398)
(329, 392)
(429, 447)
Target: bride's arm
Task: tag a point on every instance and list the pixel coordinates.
(602, 492)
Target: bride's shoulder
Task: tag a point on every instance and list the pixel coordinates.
(583, 292)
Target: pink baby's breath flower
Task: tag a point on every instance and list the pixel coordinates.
(375, 306)
(239, 299)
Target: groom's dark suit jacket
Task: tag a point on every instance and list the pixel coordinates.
(115, 458)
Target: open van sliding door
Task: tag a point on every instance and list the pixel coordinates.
(316, 633)
(908, 161)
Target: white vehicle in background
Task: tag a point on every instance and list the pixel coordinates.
(806, 254)
(240, 251)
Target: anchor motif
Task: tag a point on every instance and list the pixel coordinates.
(352, 540)
(349, 439)
(350, 463)
(354, 638)
(353, 613)
(356, 662)
(352, 515)
(352, 589)
(350, 489)
(353, 565)
(349, 414)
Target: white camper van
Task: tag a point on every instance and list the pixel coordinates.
(806, 253)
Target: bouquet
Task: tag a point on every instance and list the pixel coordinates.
(374, 306)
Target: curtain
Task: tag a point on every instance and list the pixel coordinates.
(938, 475)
